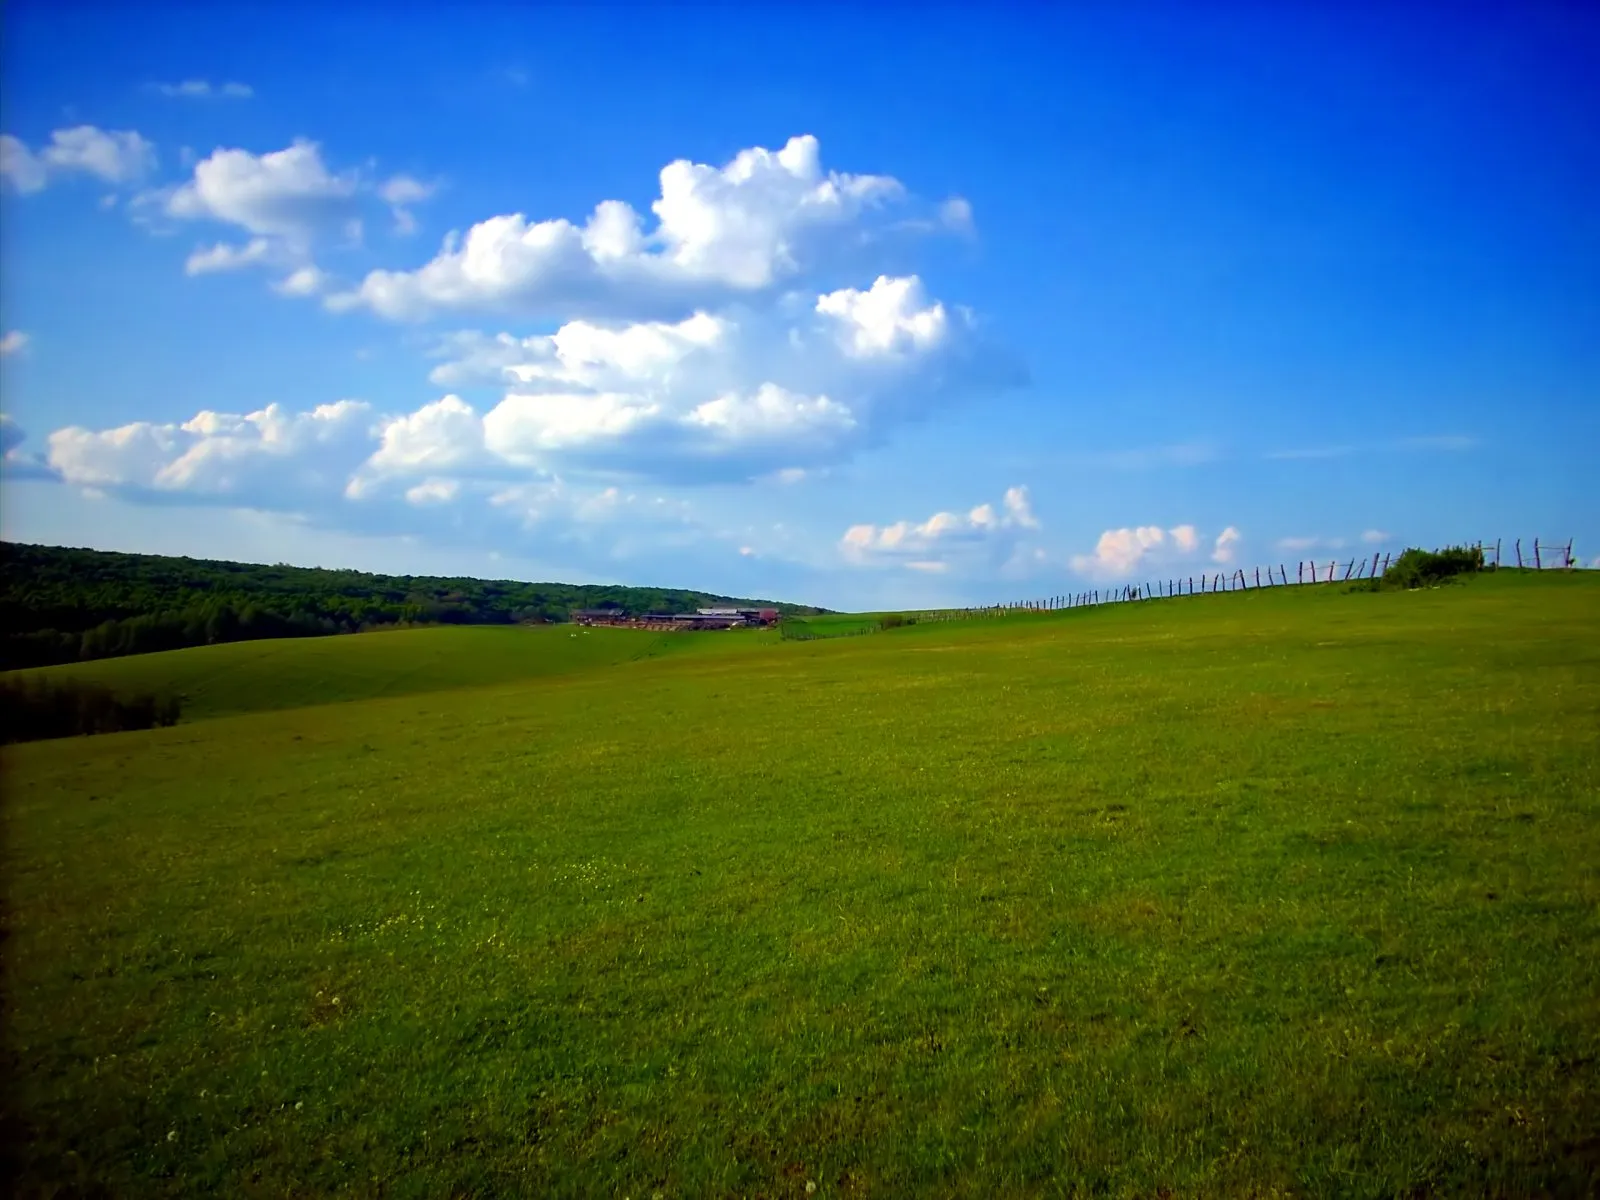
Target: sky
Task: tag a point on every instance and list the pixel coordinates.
(865, 308)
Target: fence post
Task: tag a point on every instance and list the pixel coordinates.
(1519, 554)
(1497, 552)
(1570, 561)
(1538, 563)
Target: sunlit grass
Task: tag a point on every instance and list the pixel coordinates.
(1285, 892)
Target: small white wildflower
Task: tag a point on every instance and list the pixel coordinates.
(172, 1135)
(811, 1186)
(299, 1104)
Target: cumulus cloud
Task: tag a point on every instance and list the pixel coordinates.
(302, 281)
(434, 491)
(271, 458)
(1223, 550)
(224, 257)
(736, 395)
(17, 463)
(762, 218)
(286, 203)
(287, 197)
(781, 374)
(118, 157)
(892, 317)
(1374, 537)
(401, 193)
(13, 342)
(201, 89)
(1121, 552)
(944, 540)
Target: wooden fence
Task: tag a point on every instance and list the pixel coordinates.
(1544, 554)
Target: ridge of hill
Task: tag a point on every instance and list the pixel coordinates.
(61, 605)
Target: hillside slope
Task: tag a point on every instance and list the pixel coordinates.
(1286, 893)
(59, 605)
(242, 677)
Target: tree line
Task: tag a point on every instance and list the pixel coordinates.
(33, 709)
(61, 605)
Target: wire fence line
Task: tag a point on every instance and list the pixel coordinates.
(1542, 554)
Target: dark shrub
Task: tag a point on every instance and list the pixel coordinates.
(34, 709)
(1419, 568)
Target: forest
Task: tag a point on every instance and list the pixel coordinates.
(61, 605)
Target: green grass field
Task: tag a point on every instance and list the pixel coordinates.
(242, 677)
(1282, 893)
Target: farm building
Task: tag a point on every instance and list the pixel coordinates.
(705, 618)
(599, 616)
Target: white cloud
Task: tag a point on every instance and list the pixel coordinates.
(442, 436)
(1121, 552)
(1019, 510)
(400, 193)
(201, 89)
(19, 166)
(17, 463)
(945, 539)
(14, 342)
(763, 217)
(271, 458)
(731, 396)
(224, 257)
(1223, 551)
(288, 196)
(118, 157)
(893, 317)
(302, 281)
(1374, 537)
(956, 214)
(434, 491)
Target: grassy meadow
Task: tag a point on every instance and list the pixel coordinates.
(1293, 892)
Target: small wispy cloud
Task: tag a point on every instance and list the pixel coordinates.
(1450, 442)
(203, 89)
(1445, 443)
(13, 342)
(1313, 452)
(1138, 458)
(1297, 544)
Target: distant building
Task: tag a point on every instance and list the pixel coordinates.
(705, 618)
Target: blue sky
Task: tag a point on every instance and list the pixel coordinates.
(890, 308)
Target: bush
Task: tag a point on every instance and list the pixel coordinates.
(892, 621)
(34, 709)
(1419, 568)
